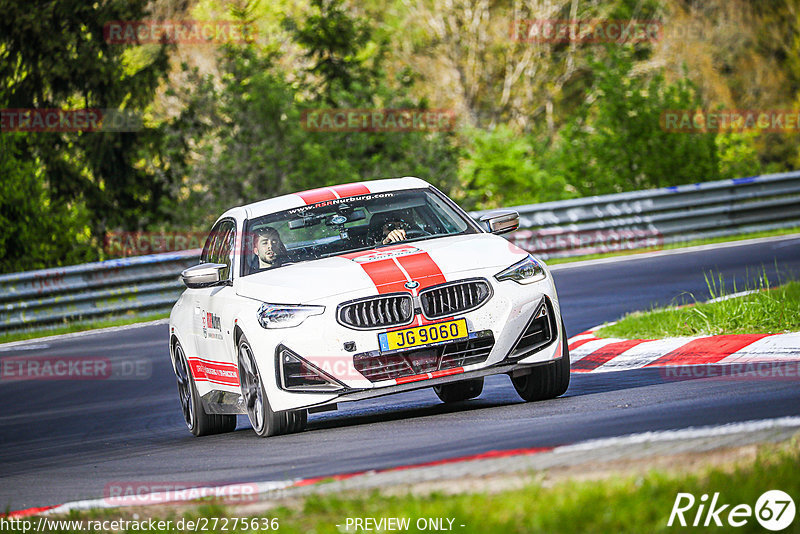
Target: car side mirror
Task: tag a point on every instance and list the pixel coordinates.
(203, 275)
(500, 221)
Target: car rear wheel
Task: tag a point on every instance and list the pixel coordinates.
(265, 422)
(459, 391)
(546, 381)
(197, 420)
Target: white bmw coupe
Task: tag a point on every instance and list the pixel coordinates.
(353, 291)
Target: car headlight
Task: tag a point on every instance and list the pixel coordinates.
(526, 271)
(285, 316)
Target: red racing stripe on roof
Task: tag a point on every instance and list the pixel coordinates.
(321, 194)
(706, 350)
(312, 196)
(350, 190)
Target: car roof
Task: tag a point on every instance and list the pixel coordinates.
(312, 196)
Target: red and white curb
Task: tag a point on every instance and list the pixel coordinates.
(264, 488)
(589, 354)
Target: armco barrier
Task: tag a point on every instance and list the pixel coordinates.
(655, 217)
(52, 297)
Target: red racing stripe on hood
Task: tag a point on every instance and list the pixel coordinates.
(421, 268)
(386, 275)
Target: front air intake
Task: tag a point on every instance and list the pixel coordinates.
(538, 333)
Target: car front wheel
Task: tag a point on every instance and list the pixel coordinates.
(265, 422)
(197, 420)
(546, 381)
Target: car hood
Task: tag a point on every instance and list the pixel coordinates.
(381, 270)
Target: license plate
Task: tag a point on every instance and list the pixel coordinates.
(429, 334)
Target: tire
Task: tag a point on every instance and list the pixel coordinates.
(264, 421)
(546, 381)
(194, 415)
(459, 391)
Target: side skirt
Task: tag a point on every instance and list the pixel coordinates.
(223, 403)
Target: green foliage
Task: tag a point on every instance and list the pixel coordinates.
(55, 56)
(502, 168)
(615, 142)
(250, 142)
(38, 231)
(550, 120)
(738, 155)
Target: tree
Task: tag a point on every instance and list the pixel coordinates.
(616, 141)
(253, 144)
(37, 229)
(55, 56)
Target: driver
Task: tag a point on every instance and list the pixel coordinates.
(268, 248)
(393, 230)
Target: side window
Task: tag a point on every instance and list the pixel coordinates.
(223, 246)
(205, 257)
(219, 246)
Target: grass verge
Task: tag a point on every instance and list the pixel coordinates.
(765, 310)
(80, 327)
(633, 503)
(673, 246)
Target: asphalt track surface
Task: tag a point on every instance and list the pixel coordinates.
(67, 440)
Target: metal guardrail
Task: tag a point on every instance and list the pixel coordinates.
(653, 218)
(50, 298)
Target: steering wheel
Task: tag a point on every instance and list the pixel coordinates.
(412, 233)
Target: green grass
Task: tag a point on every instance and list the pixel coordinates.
(765, 311)
(80, 327)
(619, 504)
(672, 246)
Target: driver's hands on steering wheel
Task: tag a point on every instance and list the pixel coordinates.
(398, 234)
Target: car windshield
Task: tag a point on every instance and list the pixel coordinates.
(345, 225)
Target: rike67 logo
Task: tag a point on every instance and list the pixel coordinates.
(774, 510)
